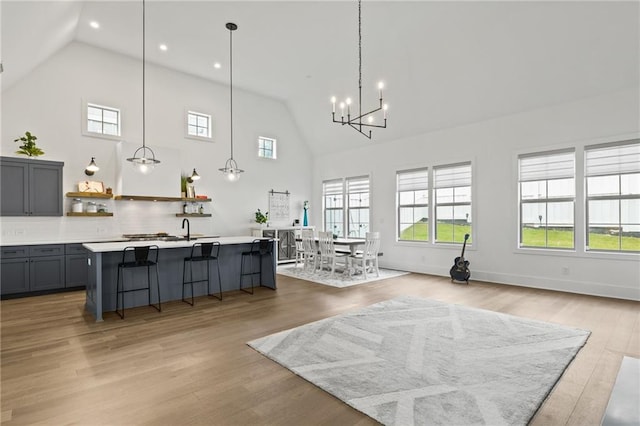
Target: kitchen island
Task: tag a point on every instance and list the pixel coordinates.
(103, 259)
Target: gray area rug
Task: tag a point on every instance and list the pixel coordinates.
(411, 361)
(338, 279)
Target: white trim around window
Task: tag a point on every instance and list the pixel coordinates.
(198, 125)
(101, 121)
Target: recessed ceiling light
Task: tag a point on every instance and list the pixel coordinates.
(94, 24)
(217, 65)
(163, 47)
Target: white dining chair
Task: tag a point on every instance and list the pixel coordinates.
(299, 251)
(368, 259)
(328, 254)
(310, 250)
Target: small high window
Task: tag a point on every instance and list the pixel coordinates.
(198, 125)
(103, 120)
(266, 147)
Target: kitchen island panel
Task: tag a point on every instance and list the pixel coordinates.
(101, 290)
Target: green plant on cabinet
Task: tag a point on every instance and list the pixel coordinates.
(28, 146)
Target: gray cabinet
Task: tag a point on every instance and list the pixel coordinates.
(30, 187)
(76, 267)
(286, 237)
(32, 268)
(14, 270)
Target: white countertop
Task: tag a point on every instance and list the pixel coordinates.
(120, 245)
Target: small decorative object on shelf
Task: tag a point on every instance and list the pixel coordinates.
(305, 220)
(28, 146)
(201, 209)
(261, 218)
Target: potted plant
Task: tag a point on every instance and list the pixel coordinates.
(28, 146)
(261, 218)
(184, 180)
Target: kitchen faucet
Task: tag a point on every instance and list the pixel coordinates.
(188, 228)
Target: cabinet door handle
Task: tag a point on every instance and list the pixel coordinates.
(46, 249)
(10, 252)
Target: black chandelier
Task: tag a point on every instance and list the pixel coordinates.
(357, 122)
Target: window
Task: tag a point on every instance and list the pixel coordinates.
(333, 197)
(613, 196)
(198, 125)
(358, 207)
(413, 205)
(547, 198)
(266, 147)
(452, 185)
(103, 120)
(352, 194)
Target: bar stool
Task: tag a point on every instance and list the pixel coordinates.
(259, 248)
(138, 257)
(207, 252)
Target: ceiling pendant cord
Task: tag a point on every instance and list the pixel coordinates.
(147, 161)
(356, 122)
(360, 66)
(231, 86)
(144, 114)
(231, 169)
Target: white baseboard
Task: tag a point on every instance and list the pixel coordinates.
(570, 286)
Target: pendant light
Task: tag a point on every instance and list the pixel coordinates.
(146, 160)
(92, 167)
(231, 170)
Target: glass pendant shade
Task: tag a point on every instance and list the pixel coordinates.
(231, 170)
(146, 162)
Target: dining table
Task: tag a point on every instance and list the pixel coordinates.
(352, 243)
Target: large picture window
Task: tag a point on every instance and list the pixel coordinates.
(453, 219)
(547, 199)
(613, 196)
(413, 205)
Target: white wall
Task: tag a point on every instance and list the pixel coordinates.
(493, 147)
(48, 103)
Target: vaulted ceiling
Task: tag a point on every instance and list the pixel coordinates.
(444, 63)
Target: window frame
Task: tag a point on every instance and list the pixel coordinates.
(434, 201)
(346, 206)
(619, 197)
(208, 117)
(261, 149)
(85, 121)
(359, 209)
(547, 200)
(414, 205)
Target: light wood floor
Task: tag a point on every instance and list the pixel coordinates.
(190, 365)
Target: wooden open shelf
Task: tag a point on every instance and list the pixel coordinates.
(88, 195)
(86, 214)
(193, 214)
(152, 198)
